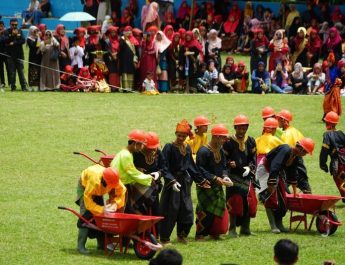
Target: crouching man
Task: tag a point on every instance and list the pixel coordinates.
(96, 181)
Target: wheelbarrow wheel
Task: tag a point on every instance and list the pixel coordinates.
(141, 250)
(323, 225)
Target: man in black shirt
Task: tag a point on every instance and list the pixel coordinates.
(14, 41)
(333, 145)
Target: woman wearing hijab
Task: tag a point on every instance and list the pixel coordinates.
(49, 76)
(148, 60)
(299, 80)
(60, 36)
(278, 47)
(127, 18)
(161, 45)
(169, 32)
(293, 29)
(33, 41)
(299, 47)
(333, 44)
(313, 48)
(128, 58)
(173, 53)
(226, 80)
(213, 46)
(258, 49)
(241, 78)
(152, 17)
(337, 16)
(182, 11)
(93, 43)
(279, 79)
(230, 28)
(112, 44)
(188, 59)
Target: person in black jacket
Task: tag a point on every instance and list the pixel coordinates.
(14, 40)
(3, 58)
(281, 166)
(333, 145)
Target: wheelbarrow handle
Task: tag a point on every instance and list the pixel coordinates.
(100, 151)
(87, 156)
(90, 224)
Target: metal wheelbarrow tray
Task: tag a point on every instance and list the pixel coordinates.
(319, 207)
(119, 227)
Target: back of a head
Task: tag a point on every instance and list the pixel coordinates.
(167, 257)
(285, 252)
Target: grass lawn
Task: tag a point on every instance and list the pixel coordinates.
(39, 132)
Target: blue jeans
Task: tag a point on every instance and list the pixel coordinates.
(37, 17)
(282, 90)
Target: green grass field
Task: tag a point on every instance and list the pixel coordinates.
(39, 132)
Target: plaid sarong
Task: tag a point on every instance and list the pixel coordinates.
(211, 200)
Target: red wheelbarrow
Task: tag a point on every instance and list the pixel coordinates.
(319, 207)
(104, 159)
(117, 226)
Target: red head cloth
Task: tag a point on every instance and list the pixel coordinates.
(113, 39)
(314, 42)
(169, 31)
(93, 32)
(183, 127)
(80, 34)
(183, 10)
(64, 43)
(335, 40)
(192, 42)
(331, 57)
(84, 72)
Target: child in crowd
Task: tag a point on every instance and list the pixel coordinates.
(202, 83)
(149, 86)
(76, 54)
(316, 80)
(85, 81)
(69, 80)
(212, 76)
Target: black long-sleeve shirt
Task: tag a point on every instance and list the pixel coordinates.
(207, 164)
(178, 163)
(15, 50)
(243, 158)
(280, 159)
(331, 141)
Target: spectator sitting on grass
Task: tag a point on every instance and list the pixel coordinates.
(285, 252)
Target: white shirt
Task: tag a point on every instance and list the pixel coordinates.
(35, 5)
(76, 54)
(149, 85)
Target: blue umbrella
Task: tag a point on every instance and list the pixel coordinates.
(77, 16)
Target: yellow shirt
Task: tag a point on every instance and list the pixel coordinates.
(196, 143)
(91, 180)
(291, 136)
(266, 142)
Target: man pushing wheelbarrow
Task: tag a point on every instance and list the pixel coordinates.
(96, 181)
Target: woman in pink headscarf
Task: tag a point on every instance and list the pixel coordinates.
(313, 48)
(183, 11)
(333, 44)
(169, 31)
(161, 45)
(148, 60)
(60, 36)
(230, 27)
(151, 17)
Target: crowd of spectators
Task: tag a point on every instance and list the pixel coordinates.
(290, 52)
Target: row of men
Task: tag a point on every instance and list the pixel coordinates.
(244, 165)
